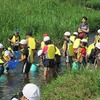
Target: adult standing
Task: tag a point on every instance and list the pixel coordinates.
(83, 28)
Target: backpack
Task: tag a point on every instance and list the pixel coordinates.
(70, 49)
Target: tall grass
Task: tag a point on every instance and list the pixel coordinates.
(93, 4)
(44, 16)
(83, 85)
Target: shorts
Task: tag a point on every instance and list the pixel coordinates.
(48, 63)
(1, 70)
(26, 67)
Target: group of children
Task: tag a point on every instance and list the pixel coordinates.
(79, 53)
(75, 50)
(27, 49)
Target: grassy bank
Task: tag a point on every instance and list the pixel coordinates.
(45, 16)
(83, 85)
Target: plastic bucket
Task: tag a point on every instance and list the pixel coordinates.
(34, 70)
(75, 66)
(17, 54)
(12, 64)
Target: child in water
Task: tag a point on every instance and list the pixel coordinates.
(49, 56)
(68, 49)
(97, 55)
(25, 58)
(82, 52)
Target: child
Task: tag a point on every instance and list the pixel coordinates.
(34, 66)
(30, 92)
(40, 55)
(42, 43)
(57, 61)
(90, 55)
(68, 48)
(82, 52)
(31, 44)
(49, 56)
(25, 58)
(7, 56)
(97, 37)
(74, 36)
(1, 59)
(14, 40)
(76, 45)
(97, 54)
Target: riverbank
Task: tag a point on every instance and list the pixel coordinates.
(80, 85)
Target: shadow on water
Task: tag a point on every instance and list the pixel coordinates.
(13, 83)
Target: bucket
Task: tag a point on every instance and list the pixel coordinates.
(17, 54)
(75, 66)
(34, 70)
(12, 64)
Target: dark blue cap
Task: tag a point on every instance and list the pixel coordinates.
(16, 31)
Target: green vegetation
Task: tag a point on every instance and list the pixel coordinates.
(45, 16)
(80, 85)
(94, 4)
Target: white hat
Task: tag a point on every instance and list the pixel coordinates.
(14, 99)
(7, 53)
(67, 33)
(46, 38)
(31, 92)
(98, 45)
(98, 31)
(23, 41)
(39, 53)
(75, 33)
(84, 40)
(1, 46)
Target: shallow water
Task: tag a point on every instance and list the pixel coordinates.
(14, 82)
